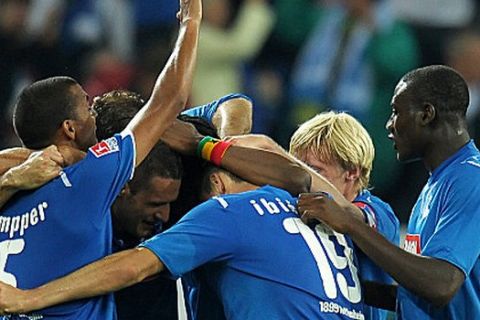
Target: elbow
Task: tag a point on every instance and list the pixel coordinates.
(443, 292)
(442, 296)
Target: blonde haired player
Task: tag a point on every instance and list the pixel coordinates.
(339, 148)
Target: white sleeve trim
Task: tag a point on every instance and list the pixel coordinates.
(127, 132)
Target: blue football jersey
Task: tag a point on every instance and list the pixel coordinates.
(66, 224)
(249, 256)
(379, 215)
(444, 224)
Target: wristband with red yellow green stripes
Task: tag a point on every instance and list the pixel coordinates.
(212, 149)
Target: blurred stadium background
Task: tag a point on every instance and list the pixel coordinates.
(295, 58)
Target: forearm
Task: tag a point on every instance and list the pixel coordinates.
(170, 93)
(9, 159)
(13, 157)
(432, 279)
(262, 167)
(233, 117)
(107, 275)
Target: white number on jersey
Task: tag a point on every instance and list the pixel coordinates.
(325, 253)
(7, 248)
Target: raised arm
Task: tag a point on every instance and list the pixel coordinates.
(173, 85)
(233, 117)
(230, 115)
(109, 274)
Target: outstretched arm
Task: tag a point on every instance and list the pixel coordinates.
(259, 167)
(109, 274)
(173, 85)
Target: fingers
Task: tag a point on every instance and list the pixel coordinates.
(54, 154)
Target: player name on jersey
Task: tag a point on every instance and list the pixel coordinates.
(20, 223)
(272, 207)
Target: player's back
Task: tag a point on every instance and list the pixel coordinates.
(261, 261)
(284, 268)
(66, 224)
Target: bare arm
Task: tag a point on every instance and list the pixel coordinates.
(257, 166)
(27, 170)
(233, 117)
(109, 274)
(318, 182)
(172, 86)
(13, 157)
(435, 280)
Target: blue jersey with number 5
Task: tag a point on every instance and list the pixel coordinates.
(66, 224)
(248, 256)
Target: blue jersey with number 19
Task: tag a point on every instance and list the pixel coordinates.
(445, 223)
(251, 254)
(52, 231)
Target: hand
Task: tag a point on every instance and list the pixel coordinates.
(40, 168)
(182, 137)
(190, 10)
(322, 207)
(13, 300)
(71, 155)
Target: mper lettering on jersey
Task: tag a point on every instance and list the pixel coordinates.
(20, 223)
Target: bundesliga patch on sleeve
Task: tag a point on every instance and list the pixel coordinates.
(105, 147)
(368, 213)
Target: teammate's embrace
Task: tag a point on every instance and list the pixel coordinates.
(66, 224)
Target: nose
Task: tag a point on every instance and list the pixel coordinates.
(389, 123)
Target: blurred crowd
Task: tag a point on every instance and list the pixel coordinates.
(295, 58)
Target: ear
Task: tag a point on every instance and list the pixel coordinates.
(217, 183)
(68, 129)
(125, 192)
(352, 175)
(428, 114)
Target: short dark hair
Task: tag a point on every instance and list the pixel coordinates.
(208, 170)
(41, 109)
(439, 85)
(115, 109)
(161, 162)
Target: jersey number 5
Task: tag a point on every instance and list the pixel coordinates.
(324, 251)
(7, 248)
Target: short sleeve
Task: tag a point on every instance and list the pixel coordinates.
(208, 233)
(455, 238)
(207, 111)
(108, 166)
(382, 219)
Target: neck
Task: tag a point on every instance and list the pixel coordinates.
(443, 146)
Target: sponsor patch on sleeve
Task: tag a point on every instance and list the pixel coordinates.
(369, 214)
(105, 147)
(412, 243)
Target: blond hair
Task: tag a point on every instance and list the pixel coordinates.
(336, 137)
